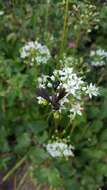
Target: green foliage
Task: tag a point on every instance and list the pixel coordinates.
(25, 127)
(50, 175)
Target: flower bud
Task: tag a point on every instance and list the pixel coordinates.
(56, 115)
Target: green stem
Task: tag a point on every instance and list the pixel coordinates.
(72, 129)
(46, 20)
(18, 164)
(64, 34)
(85, 129)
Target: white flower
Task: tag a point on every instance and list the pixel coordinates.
(42, 81)
(92, 53)
(63, 102)
(101, 52)
(98, 63)
(76, 109)
(92, 90)
(35, 52)
(74, 88)
(59, 149)
(70, 81)
(98, 57)
(49, 85)
(40, 100)
(52, 78)
(1, 13)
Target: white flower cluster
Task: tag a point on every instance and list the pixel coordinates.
(99, 57)
(59, 149)
(76, 89)
(35, 52)
(70, 81)
(87, 14)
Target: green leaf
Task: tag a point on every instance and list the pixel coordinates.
(93, 112)
(49, 175)
(103, 135)
(38, 155)
(80, 120)
(103, 111)
(42, 138)
(40, 174)
(38, 126)
(54, 177)
(71, 184)
(96, 125)
(102, 169)
(23, 142)
(94, 153)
